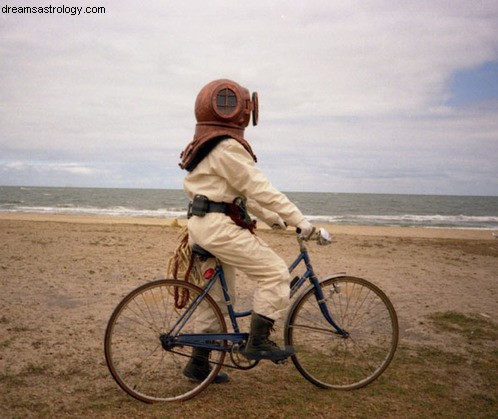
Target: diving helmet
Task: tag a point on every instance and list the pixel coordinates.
(223, 109)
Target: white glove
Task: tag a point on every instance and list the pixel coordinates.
(279, 224)
(306, 228)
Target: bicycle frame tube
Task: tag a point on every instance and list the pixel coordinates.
(303, 256)
(231, 310)
(188, 312)
(206, 340)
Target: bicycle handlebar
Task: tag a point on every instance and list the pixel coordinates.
(323, 236)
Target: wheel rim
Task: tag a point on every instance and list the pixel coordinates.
(326, 358)
(133, 349)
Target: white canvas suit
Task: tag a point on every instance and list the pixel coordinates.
(227, 172)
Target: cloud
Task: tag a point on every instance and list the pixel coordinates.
(48, 169)
(357, 89)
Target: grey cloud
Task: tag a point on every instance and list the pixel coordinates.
(345, 87)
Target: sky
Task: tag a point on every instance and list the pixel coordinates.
(393, 96)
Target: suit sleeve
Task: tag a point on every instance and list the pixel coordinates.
(236, 165)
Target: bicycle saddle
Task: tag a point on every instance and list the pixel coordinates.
(203, 253)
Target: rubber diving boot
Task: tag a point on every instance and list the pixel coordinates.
(259, 346)
(198, 367)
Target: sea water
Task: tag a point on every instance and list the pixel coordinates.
(479, 212)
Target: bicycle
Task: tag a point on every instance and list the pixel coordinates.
(344, 330)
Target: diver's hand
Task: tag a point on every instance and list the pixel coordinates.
(305, 229)
(279, 224)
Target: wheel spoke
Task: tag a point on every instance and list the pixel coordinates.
(133, 348)
(328, 359)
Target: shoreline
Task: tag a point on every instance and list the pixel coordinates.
(335, 229)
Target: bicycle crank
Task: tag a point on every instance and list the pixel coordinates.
(238, 358)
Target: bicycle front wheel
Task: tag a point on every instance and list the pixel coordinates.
(330, 360)
(133, 348)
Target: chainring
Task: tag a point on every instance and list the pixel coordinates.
(239, 360)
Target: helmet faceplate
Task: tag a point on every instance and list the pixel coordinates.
(226, 103)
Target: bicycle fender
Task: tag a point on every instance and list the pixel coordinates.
(336, 275)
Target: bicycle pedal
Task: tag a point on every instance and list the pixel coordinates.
(280, 361)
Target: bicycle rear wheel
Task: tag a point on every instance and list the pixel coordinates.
(133, 347)
(326, 358)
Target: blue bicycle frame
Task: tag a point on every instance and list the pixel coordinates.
(208, 340)
(297, 282)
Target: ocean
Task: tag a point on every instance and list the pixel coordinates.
(474, 212)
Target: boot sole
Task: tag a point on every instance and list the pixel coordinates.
(271, 356)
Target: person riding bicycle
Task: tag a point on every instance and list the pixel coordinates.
(224, 184)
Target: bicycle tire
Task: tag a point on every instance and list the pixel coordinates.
(329, 360)
(133, 348)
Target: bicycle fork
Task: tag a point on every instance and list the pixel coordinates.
(320, 298)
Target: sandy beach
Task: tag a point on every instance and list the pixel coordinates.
(61, 277)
